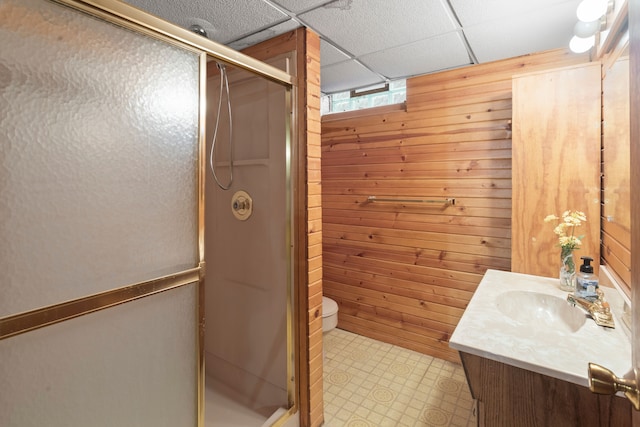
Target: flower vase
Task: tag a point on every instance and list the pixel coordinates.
(567, 271)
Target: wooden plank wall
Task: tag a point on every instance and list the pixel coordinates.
(308, 214)
(403, 273)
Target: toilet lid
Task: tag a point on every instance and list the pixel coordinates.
(329, 307)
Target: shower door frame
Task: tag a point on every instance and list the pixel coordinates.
(129, 17)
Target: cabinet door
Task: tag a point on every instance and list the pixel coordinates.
(556, 163)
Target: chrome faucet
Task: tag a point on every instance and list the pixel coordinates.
(598, 309)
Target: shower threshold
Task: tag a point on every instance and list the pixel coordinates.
(223, 408)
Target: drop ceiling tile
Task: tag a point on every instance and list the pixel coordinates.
(346, 76)
(298, 6)
(523, 34)
(475, 12)
(421, 57)
(264, 35)
(227, 20)
(373, 28)
(362, 27)
(329, 54)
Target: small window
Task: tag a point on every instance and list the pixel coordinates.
(394, 92)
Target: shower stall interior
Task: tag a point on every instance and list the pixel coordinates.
(248, 248)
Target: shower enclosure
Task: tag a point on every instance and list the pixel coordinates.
(103, 291)
(248, 250)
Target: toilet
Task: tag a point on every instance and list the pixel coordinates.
(329, 314)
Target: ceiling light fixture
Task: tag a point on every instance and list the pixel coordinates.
(591, 10)
(586, 29)
(592, 17)
(581, 44)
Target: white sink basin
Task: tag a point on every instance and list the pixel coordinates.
(525, 321)
(541, 309)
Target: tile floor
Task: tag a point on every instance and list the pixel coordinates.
(368, 383)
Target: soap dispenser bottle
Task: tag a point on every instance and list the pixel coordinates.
(586, 281)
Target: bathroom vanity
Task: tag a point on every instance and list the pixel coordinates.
(525, 351)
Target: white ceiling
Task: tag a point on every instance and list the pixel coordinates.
(364, 42)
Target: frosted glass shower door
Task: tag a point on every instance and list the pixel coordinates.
(99, 222)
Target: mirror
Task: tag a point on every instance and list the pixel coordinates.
(616, 212)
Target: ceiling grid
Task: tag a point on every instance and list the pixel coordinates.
(365, 42)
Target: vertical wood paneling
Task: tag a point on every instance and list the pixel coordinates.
(314, 222)
(401, 272)
(556, 164)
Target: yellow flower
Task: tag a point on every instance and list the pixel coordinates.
(569, 241)
(566, 227)
(560, 229)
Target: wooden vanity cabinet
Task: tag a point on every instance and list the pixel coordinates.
(507, 396)
(556, 163)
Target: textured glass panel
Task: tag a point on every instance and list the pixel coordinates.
(98, 156)
(131, 365)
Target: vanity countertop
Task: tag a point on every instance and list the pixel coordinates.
(485, 331)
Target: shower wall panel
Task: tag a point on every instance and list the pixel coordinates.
(246, 295)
